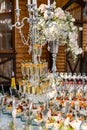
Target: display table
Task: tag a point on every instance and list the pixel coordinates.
(6, 123)
(60, 105)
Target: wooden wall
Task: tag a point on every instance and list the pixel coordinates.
(22, 50)
(85, 34)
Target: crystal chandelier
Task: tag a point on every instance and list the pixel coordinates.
(48, 23)
(31, 71)
(33, 20)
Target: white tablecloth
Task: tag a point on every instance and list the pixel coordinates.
(5, 120)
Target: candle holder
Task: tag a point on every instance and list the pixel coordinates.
(33, 20)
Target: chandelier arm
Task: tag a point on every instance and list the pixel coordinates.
(25, 18)
(24, 40)
(19, 25)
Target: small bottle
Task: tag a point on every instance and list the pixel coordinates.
(13, 84)
(13, 90)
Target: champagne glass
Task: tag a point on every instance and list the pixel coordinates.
(39, 52)
(27, 69)
(35, 52)
(31, 71)
(41, 69)
(20, 86)
(23, 69)
(24, 86)
(45, 67)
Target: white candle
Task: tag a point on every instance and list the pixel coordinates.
(29, 2)
(49, 3)
(17, 4)
(35, 2)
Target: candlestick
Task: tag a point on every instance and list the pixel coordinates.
(49, 3)
(17, 4)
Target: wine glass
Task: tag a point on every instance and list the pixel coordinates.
(41, 69)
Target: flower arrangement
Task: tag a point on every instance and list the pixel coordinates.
(57, 24)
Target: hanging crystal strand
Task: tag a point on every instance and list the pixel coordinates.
(24, 40)
(49, 13)
(34, 56)
(34, 33)
(30, 26)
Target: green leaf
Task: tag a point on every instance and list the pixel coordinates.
(11, 126)
(61, 126)
(70, 128)
(42, 123)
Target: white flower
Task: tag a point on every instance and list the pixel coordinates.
(42, 8)
(74, 28)
(59, 13)
(41, 22)
(46, 15)
(67, 121)
(80, 28)
(73, 19)
(73, 36)
(78, 51)
(58, 25)
(53, 5)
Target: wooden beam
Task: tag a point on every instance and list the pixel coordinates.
(81, 22)
(80, 2)
(68, 4)
(4, 77)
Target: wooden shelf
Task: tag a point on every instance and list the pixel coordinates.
(5, 12)
(6, 51)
